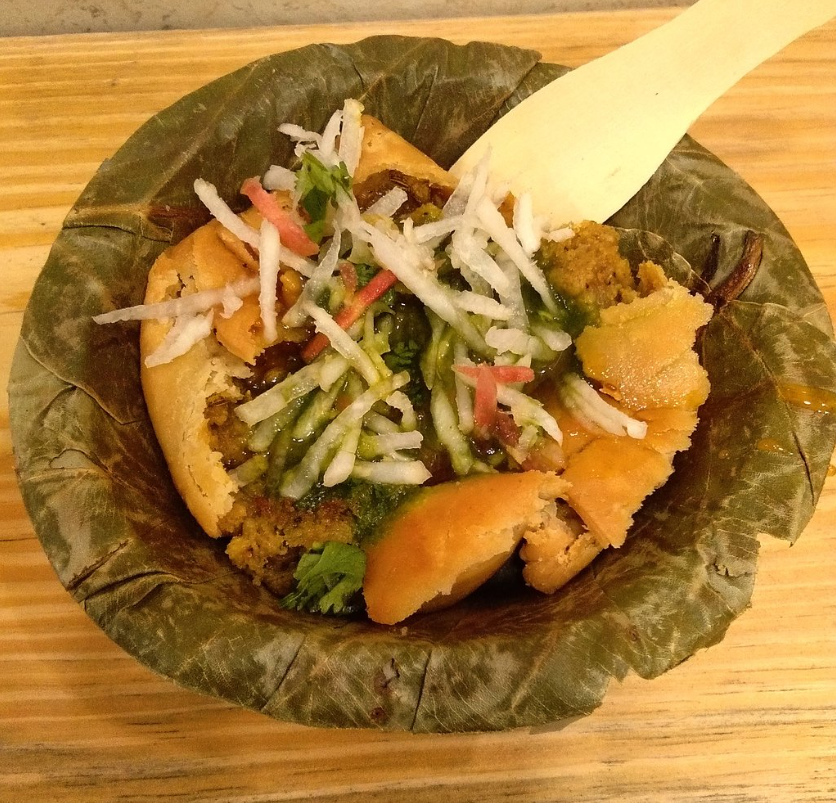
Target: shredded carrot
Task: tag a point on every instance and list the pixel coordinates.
(501, 373)
(292, 235)
(363, 299)
(484, 405)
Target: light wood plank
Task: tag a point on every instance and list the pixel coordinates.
(751, 719)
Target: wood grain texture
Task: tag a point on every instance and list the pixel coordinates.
(752, 719)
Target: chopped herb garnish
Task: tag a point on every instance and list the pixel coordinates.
(317, 186)
(328, 578)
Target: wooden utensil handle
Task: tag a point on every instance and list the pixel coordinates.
(586, 143)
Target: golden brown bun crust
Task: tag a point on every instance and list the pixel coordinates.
(176, 394)
(383, 149)
(450, 538)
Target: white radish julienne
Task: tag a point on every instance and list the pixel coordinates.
(483, 305)
(317, 282)
(279, 178)
(405, 264)
(526, 226)
(580, 396)
(516, 341)
(388, 204)
(392, 472)
(491, 256)
(220, 210)
(299, 480)
(320, 374)
(393, 441)
(464, 400)
(400, 401)
(328, 143)
(342, 465)
(268, 272)
(184, 333)
(190, 304)
(505, 238)
(351, 135)
(342, 342)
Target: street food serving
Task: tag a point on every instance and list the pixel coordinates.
(378, 384)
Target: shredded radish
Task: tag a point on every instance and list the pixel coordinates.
(268, 271)
(524, 409)
(580, 395)
(483, 305)
(388, 204)
(220, 210)
(342, 342)
(464, 400)
(438, 228)
(302, 478)
(299, 134)
(392, 441)
(400, 402)
(513, 298)
(343, 463)
(448, 432)
(231, 304)
(438, 297)
(292, 234)
(516, 341)
(560, 235)
(479, 188)
(279, 178)
(322, 374)
(184, 305)
(526, 226)
(328, 142)
(381, 424)
(317, 282)
(391, 472)
(555, 339)
(457, 202)
(351, 135)
(495, 226)
(472, 253)
(184, 333)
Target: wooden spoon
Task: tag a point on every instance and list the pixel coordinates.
(586, 143)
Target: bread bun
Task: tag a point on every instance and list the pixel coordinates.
(448, 539)
(176, 394)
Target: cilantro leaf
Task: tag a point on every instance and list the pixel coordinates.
(403, 356)
(365, 273)
(317, 187)
(328, 578)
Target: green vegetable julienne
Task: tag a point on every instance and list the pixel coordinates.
(328, 578)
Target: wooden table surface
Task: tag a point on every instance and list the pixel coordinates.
(752, 719)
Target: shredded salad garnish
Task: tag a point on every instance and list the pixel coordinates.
(368, 399)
